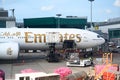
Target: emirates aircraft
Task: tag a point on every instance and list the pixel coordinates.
(12, 40)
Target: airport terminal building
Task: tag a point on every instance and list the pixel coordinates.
(5, 20)
(114, 36)
(109, 24)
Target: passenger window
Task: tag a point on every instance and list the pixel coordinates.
(24, 78)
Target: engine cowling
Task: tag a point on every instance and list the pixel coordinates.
(9, 50)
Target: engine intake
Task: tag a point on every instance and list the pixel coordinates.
(9, 50)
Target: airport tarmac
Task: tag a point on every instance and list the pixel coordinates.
(38, 63)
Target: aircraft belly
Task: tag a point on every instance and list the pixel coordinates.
(85, 45)
(33, 46)
(41, 46)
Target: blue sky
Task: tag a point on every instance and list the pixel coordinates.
(102, 9)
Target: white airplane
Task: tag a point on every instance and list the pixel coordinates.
(14, 39)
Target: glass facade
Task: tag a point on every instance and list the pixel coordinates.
(52, 22)
(114, 33)
(2, 24)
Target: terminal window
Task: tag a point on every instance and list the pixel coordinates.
(24, 78)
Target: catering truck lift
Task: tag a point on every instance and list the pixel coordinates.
(52, 40)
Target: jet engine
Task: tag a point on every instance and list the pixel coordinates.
(9, 50)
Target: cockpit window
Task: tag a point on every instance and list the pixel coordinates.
(98, 36)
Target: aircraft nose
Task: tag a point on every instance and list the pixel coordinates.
(102, 41)
(99, 41)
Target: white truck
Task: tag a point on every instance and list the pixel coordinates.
(75, 60)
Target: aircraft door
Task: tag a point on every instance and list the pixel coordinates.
(85, 39)
(69, 44)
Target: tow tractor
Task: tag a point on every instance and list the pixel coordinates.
(75, 60)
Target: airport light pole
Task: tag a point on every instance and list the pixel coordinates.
(58, 22)
(91, 11)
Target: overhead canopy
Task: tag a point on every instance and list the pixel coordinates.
(53, 22)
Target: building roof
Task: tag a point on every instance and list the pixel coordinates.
(109, 22)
